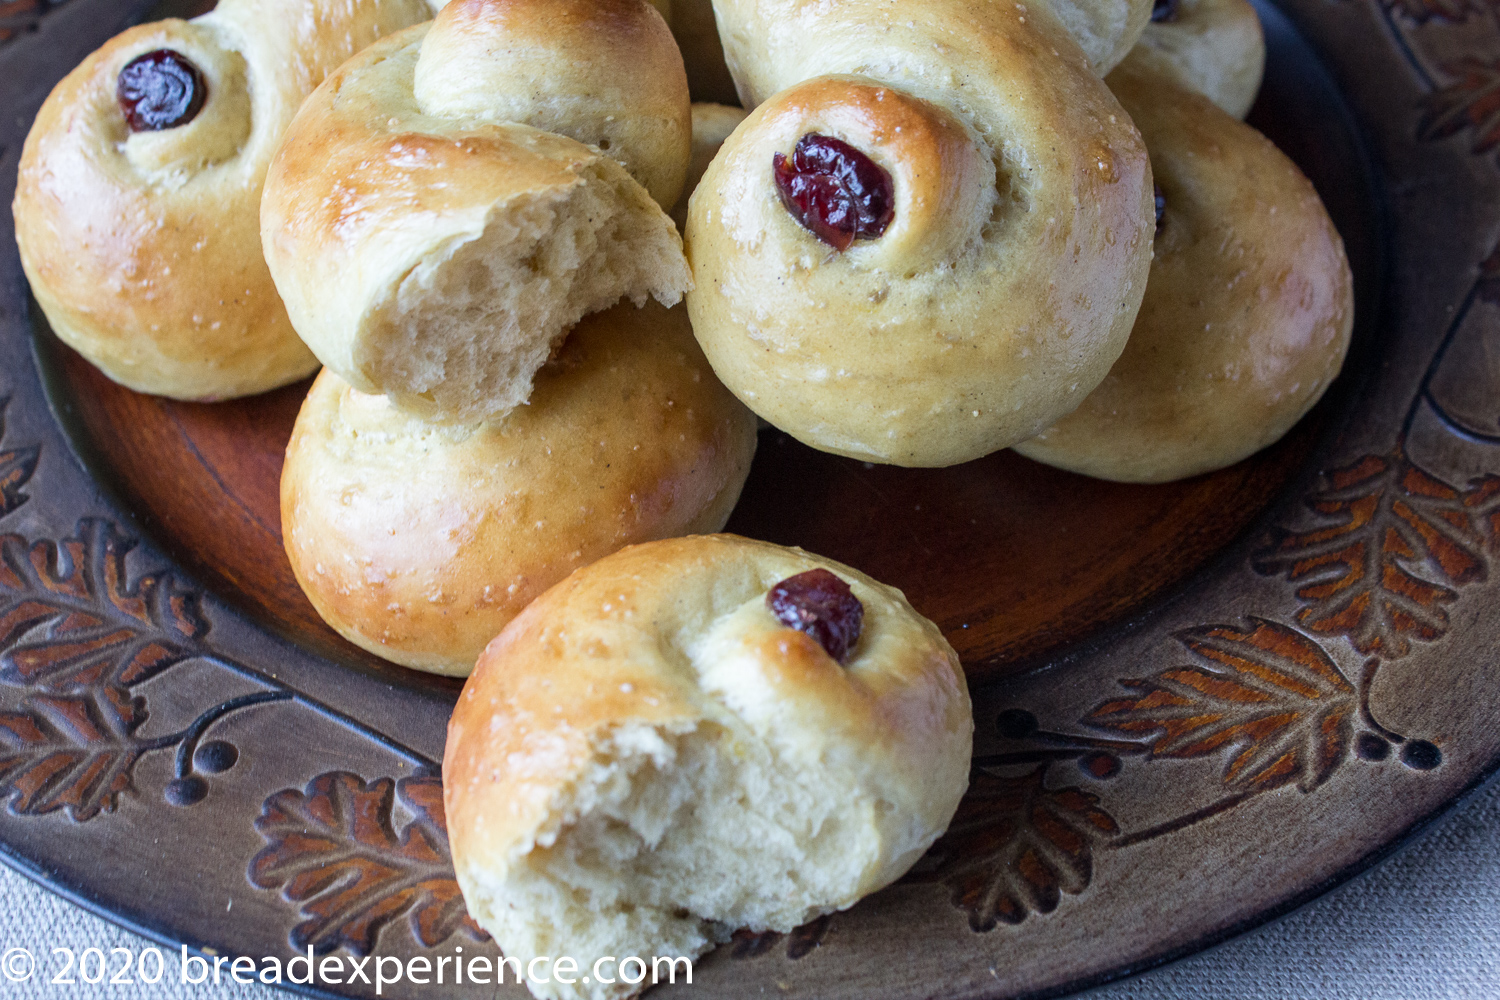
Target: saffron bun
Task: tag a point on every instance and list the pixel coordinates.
(143, 247)
(1214, 47)
(455, 197)
(712, 124)
(1016, 253)
(647, 758)
(418, 541)
(1247, 313)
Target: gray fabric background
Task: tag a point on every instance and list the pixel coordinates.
(1425, 924)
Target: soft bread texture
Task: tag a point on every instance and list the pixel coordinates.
(1213, 47)
(646, 759)
(1247, 314)
(1007, 283)
(143, 249)
(712, 124)
(456, 197)
(419, 541)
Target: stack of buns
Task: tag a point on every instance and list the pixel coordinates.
(445, 219)
(1038, 225)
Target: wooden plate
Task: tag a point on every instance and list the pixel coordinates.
(1198, 704)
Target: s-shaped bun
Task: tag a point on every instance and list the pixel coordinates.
(457, 196)
(650, 757)
(419, 541)
(1247, 314)
(988, 274)
(138, 219)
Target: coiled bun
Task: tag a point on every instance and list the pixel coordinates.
(1018, 218)
(1247, 313)
(1213, 47)
(142, 243)
(419, 541)
(652, 719)
(457, 196)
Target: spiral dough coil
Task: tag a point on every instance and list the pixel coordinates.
(1015, 259)
(648, 759)
(455, 197)
(143, 247)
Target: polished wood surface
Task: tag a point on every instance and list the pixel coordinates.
(1014, 560)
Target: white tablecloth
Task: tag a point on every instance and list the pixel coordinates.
(1425, 924)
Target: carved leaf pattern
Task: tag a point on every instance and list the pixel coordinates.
(1015, 846)
(75, 635)
(72, 621)
(333, 848)
(1472, 101)
(16, 467)
(1391, 544)
(800, 943)
(74, 754)
(1267, 697)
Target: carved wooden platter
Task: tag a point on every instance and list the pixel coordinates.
(1198, 705)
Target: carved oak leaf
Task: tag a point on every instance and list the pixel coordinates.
(800, 943)
(72, 622)
(16, 467)
(333, 848)
(1471, 102)
(1391, 544)
(74, 754)
(1268, 697)
(1015, 846)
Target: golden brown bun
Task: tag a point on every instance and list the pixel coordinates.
(143, 249)
(419, 541)
(712, 124)
(1004, 287)
(1247, 312)
(457, 196)
(646, 759)
(1214, 47)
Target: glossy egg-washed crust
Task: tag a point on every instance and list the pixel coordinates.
(610, 647)
(144, 249)
(419, 542)
(1214, 47)
(484, 124)
(1247, 313)
(1010, 275)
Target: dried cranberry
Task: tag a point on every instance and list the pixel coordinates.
(1161, 207)
(836, 192)
(823, 606)
(1164, 10)
(160, 90)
